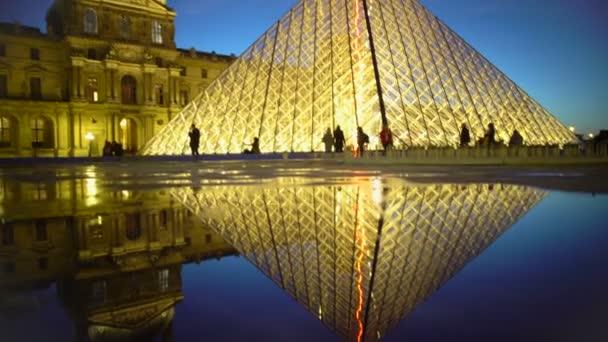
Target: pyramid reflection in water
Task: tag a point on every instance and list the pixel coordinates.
(360, 256)
(326, 63)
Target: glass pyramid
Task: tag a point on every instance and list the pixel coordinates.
(357, 63)
(360, 255)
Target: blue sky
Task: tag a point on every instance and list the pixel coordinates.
(556, 50)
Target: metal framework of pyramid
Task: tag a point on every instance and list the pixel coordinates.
(359, 256)
(357, 63)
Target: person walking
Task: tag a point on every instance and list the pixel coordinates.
(339, 139)
(328, 140)
(195, 138)
(465, 136)
(362, 139)
(490, 135)
(386, 138)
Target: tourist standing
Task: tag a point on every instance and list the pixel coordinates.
(339, 139)
(362, 139)
(465, 136)
(195, 138)
(490, 135)
(386, 138)
(328, 140)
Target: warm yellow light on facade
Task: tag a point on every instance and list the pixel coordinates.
(123, 123)
(89, 136)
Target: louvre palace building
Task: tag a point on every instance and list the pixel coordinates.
(104, 71)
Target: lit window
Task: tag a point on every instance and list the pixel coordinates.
(163, 280)
(91, 92)
(204, 73)
(157, 32)
(38, 129)
(5, 132)
(125, 26)
(90, 21)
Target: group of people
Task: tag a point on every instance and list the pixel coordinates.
(195, 138)
(112, 149)
(489, 137)
(337, 140)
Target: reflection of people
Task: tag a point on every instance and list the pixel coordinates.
(255, 147)
(465, 136)
(386, 137)
(328, 140)
(339, 139)
(195, 137)
(516, 139)
(362, 139)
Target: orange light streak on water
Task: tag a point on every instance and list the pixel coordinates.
(360, 241)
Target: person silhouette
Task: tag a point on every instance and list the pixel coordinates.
(195, 137)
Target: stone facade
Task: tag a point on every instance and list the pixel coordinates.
(105, 71)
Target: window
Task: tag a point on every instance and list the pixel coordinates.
(42, 132)
(163, 280)
(128, 89)
(163, 219)
(125, 27)
(43, 263)
(34, 54)
(183, 97)
(157, 32)
(2, 50)
(160, 99)
(41, 230)
(91, 92)
(92, 54)
(90, 21)
(5, 132)
(182, 71)
(133, 225)
(38, 125)
(35, 88)
(98, 292)
(204, 73)
(3, 86)
(208, 238)
(8, 235)
(158, 61)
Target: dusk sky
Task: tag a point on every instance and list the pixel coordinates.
(556, 50)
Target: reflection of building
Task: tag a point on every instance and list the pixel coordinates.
(337, 62)
(116, 256)
(360, 257)
(109, 67)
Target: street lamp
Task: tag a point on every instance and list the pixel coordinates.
(572, 129)
(90, 137)
(591, 135)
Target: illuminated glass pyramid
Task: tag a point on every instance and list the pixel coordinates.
(359, 256)
(357, 63)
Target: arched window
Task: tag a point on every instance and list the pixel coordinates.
(42, 132)
(90, 21)
(157, 32)
(125, 26)
(6, 131)
(128, 89)
(204, 73)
